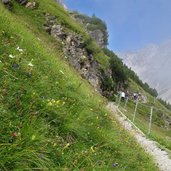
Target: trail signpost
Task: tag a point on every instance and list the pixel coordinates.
(151, 115)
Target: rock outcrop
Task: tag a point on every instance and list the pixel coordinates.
(75, 52)
(94, 26)
(26, 3)
(31, 5)
(98, 36)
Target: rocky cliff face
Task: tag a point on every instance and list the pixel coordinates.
(74, 51)
(98, 36)
(95, 27)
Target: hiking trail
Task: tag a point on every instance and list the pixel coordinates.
(160, 156)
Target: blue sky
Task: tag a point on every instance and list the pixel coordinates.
(132, 24)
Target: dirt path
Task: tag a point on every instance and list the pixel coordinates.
(161, 157)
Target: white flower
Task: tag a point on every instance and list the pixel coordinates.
(30, 63)
(20, 50)
(11, 56)
(0, 61)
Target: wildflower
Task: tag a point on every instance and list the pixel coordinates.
(20, 50)
(57, 102)
(53, 101)
(33, 137)
(14, 134)
(92, 149)
(11, 56)
(54, 144)
(50, 104)
(15, 66)
(114, 164)
(0, 61)
(30, 64)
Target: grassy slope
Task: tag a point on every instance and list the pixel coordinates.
(158, 133)
(50, 117)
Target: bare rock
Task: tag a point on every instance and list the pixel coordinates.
(6, 2)
(31, 5)
(56, 31)
(98, 36)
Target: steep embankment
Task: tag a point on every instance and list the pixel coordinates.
(51, 118)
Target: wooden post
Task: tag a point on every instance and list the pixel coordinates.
(154, 100)
(125, 104)
(151, 115)
(135, 111)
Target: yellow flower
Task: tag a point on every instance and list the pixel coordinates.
(57, 102)
(54, 144)
(53, 101)
(50, 104)
(92, 149)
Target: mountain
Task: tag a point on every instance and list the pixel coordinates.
(152, 64)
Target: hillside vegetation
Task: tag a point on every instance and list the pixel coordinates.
(51, 118)
(160, 130)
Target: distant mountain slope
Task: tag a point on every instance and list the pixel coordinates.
(152, 64)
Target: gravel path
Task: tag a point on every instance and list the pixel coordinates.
(161, 157)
